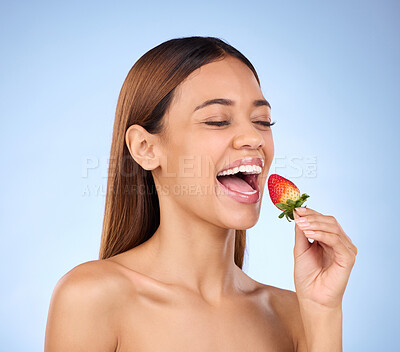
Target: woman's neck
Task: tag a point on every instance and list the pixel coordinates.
(193, 254)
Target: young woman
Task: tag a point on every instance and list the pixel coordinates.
(169, 276)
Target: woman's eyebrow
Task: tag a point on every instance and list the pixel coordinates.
(229, 102)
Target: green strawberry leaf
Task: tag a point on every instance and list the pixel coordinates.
(290, 205)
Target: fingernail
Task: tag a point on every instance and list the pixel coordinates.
(300, 210)
(301, 220)
(309, 232)
(303, 225)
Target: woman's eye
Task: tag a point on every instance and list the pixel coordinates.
(217, 123)
(266, 123)
(222, 123)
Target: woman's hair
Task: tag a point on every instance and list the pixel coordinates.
(132, 212)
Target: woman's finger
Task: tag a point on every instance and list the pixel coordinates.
(348, 238)
(328, 224)
(320, 226)
(344, 255)
(322, 220)
(301, 211)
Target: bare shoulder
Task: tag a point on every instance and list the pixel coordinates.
(286, 304)
(83, 312)
(97, 280)
(93, 274)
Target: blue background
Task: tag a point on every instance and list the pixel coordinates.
(331, 72)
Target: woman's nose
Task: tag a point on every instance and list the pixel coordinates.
(248, 136)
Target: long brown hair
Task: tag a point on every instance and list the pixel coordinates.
(132, 212)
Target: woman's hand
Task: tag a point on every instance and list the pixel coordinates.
(322, 268)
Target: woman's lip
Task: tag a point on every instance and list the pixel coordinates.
(244, 161)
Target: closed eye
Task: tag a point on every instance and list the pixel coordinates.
(266, 123)
(222, 123)
(217, 123)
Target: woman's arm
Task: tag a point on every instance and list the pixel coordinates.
(80, 317)
(321, 272)
(322, 327)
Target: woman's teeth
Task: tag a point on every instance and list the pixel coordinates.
(246, 169)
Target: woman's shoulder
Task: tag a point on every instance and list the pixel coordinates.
(281, 301)
(84, 300)
(89, 274)
(94, 286)
(276, 297)
(286, 305)
(280, 296)
(95, 278)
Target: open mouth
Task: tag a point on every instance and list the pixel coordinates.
(246, 183)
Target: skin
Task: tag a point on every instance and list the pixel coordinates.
(180, 290)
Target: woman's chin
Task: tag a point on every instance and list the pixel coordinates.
(241, 221)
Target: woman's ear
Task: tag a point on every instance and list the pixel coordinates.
(142, 146)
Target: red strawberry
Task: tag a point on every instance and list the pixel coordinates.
(285, 195)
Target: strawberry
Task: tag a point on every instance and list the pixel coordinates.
(285, 195)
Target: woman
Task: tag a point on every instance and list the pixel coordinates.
(170, 277)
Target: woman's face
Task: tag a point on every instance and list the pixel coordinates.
(195, 151)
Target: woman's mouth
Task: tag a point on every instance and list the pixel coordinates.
(241, 182)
